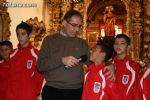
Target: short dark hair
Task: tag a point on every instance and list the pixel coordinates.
(25, 26)
(124, 37)
(71, 13)
(106, 44)
(107, 49)
(7, 43)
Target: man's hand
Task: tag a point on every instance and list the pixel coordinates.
(110, 72)
(70, 61)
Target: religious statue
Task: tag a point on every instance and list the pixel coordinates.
(109, 20)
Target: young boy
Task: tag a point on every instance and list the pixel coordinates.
(96, 87)
(25, 82)
(144, 82)
(5, 48)
(126, 69)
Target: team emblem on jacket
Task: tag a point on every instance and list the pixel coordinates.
(125, 79)
(29, 64)
(97, 87)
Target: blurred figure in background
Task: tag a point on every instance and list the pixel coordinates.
(144, 80)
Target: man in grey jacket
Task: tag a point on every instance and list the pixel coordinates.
(58, 59)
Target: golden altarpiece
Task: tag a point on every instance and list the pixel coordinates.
(133, 16)
(4, 22)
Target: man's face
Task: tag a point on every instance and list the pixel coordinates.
(22, 37)
(72, 27)
(4, 52)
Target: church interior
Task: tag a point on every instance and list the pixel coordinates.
(101, 18)
(130, 17)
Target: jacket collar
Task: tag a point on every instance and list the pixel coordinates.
(97, 68)
(126, 58)
(27, 47)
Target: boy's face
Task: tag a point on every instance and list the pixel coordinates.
(4, 52)
(120, 46)
(22, 37)
(96, 54)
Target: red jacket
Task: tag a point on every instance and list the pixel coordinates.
(4, 75)
(25, 82)
(127, 74)
(144, 85)
(96, 87)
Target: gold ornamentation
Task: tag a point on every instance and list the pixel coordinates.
(5, 33)
(38, 31)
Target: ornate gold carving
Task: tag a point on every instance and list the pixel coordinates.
(133, 19)
(136, 29)
(5, 22)
(38, 31)
(57, 9)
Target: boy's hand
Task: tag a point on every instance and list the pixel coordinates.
(110, 72)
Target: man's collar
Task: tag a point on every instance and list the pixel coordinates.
(62, 33)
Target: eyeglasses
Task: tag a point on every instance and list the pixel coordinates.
(75, 25)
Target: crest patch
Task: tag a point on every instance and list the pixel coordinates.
(29, 64)
(97, 87)
(125, 79)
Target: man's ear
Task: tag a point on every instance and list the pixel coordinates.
(64, 23)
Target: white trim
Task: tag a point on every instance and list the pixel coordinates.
(85, 77)
(1, 61)
(34, 54)
(141, 81)
(103, 83)
(133, 76)
(14, 53)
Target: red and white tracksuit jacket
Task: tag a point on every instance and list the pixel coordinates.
(4, 75)
(96, 87)
(144, 85)
(25, 82)
(127, 73)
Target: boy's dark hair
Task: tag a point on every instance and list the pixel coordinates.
(106, 44)
(25, 26)
(71, 13)
(124, 37)
(7, 43)
(108, 50)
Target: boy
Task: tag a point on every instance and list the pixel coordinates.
(143, 86)
(5, 48)
(96, 87)
(126, 69)
(25, 82)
